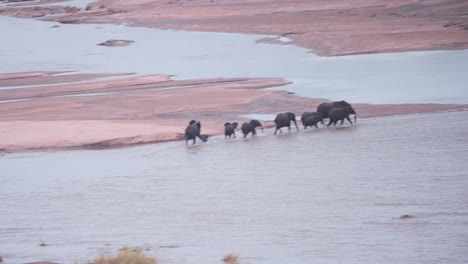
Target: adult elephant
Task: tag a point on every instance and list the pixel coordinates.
(339, 114)
(311, 119)
(284, 120)
(230, 130)
(249, 127)
(324, 108)
(192, 131)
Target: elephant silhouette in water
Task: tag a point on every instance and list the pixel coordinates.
(230, 130)
(283, 120)
(193, 131)
(311, 119)
(249, 127)
(339, 114)
(324, 108)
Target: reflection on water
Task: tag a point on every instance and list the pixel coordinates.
(316, 196)
(407, 77)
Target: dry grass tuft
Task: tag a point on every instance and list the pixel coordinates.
(231, 259)
(126, 256)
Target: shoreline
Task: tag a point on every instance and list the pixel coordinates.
(130, 111)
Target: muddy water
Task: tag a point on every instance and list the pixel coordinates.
(317, 196)
(409, 77)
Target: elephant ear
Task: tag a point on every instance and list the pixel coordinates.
(199, 126)
(192, 122)
(291, 116)
(234, 125)
(227, 124)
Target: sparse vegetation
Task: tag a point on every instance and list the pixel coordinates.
(126, 256)
(42, 244)
(231, 259)
(88, 7)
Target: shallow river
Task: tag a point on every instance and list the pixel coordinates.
(332, 195)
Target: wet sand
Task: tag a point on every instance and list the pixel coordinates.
(145, 109)
(328, 28)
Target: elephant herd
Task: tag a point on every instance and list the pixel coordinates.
(334, 111)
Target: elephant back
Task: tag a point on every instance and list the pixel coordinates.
(324, 108)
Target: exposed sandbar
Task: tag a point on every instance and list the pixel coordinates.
(148, 109)
(331, 27)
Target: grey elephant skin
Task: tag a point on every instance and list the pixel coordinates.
(339, 114)
(284, 120)
(249, 127)
(230, 130)
(193, 131)
(311, 119)
(324, 108)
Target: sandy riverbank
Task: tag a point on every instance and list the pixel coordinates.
(327, 28)
(145, 109)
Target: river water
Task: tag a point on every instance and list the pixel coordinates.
(332, 195)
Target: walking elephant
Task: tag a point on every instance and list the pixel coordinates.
(249, 127)
(311, 119)
(339, 114)
(230, 130)
(192, 131)
(324, 108)
(284, 120)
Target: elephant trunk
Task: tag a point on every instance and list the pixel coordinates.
(355, 118)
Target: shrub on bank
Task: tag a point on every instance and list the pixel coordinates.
(126, 256)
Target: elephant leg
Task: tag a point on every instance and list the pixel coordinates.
(276, 130)
(342, 120)
(316, 125)
(349, 120)
(329, 123)
(194, 140)
(234, 134)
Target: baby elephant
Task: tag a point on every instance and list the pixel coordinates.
(311, 119)
(284, 120)
(193, 131)
(248, 127)
(230, 130)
